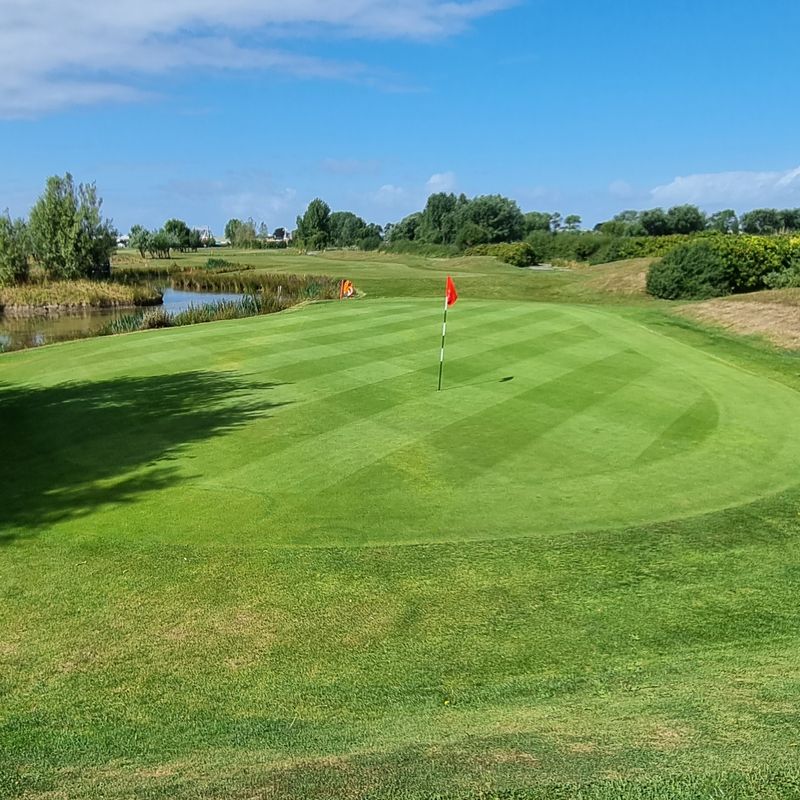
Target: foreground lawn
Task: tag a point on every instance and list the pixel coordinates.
(264, 558)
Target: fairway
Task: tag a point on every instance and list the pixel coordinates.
(266, 558)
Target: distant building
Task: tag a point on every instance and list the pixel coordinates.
(205, 235)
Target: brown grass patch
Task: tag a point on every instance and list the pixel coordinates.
(582, 748)
(662, 737)
(776, 320)
(626, 278)
(513, 757)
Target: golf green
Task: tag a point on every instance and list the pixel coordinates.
(323, 427)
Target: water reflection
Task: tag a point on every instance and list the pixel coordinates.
(20, 332)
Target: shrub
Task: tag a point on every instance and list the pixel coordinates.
(711, 267)
(787, 279)
(424, 249)
(690, 271)
(518, 254)
(219, 263)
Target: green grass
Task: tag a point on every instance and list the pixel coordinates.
(264, 558)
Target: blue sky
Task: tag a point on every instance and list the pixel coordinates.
(207, 110)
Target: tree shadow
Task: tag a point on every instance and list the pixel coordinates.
(71, 448)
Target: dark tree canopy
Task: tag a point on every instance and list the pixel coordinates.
(314, 227)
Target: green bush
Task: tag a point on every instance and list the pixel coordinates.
(690, 271)
(518, 254)
(220, 263)
(719, 265)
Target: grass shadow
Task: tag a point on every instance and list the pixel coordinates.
(71, 448)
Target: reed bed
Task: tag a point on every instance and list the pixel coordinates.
(293, 290)
(46, 295)
(297, 287)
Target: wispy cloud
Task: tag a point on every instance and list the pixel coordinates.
(238, 194)
(741, 189)
(441, 182)
(55, 54)
(390, 196)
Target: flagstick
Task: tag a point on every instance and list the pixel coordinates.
(444, 333)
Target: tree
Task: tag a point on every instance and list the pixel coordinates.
(180, 233)
(790, 219)
(68, 234)
(497, 215)
(686, 219)
(140, 239)
(761, 221)
(439, 223)
(655, 222)
(407, 229)
(724, 221)
(13, 251)
(160, 244)
(314, 227)
(279, 234)
(626, 223)
(231, 228)
(537, 221)
(347, 229)
(573, 222)
(372, 237)
(470, 235)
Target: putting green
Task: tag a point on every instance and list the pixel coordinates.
(323, 427)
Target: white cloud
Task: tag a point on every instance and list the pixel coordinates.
(741, 189)
(238, 194)
(59, 53)
(390, 195)
(441, 182)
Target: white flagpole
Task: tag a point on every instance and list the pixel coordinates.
(444, 333)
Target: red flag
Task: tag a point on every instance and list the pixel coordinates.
(451, 293)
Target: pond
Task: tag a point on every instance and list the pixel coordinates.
(17, 333)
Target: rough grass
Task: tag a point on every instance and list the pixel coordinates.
(774, 315)
(624, 278)
(76, 294)
(265, 559)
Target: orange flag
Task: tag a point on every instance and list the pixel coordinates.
(451, 293)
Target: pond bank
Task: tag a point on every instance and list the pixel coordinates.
(60, 297)
(67, 309)
(18, 331)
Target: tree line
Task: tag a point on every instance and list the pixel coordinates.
(174, 235)
(68, 237)
(690, 219)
